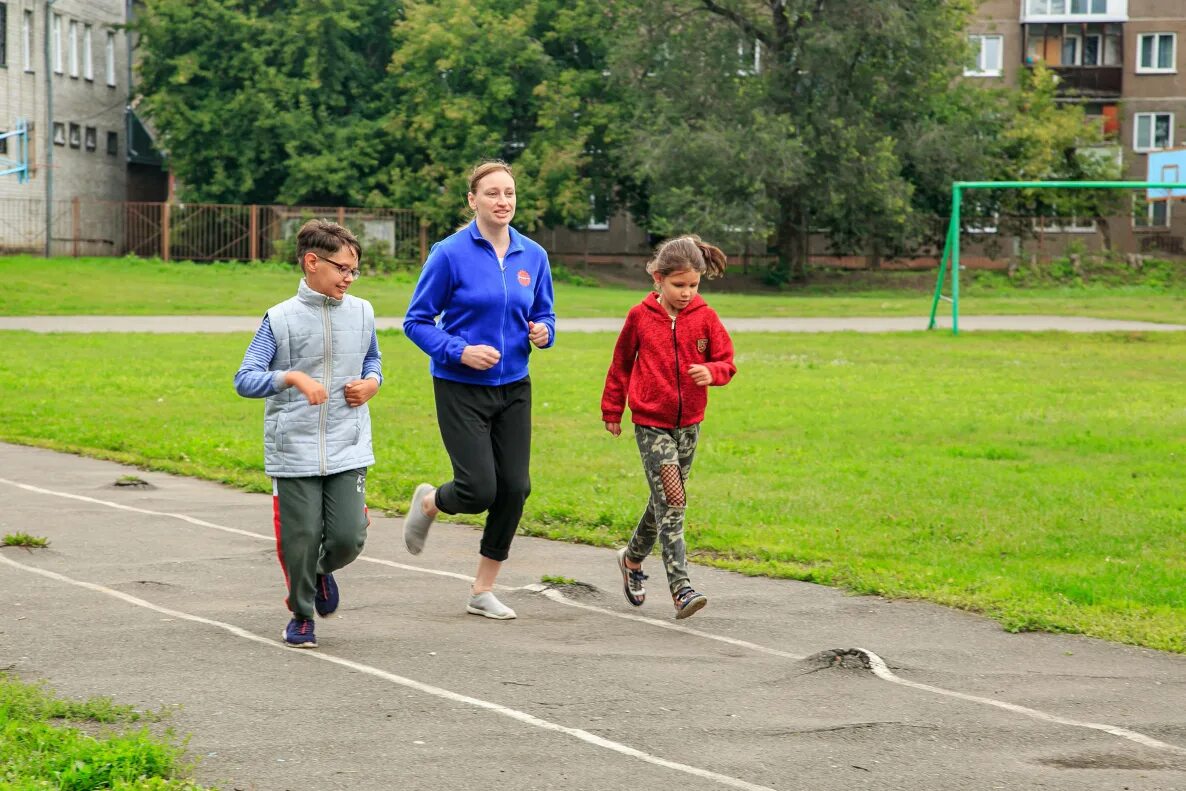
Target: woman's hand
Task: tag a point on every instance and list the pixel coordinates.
(537, 334)
(613, 428)
(480, 358)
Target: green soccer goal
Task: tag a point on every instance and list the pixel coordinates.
(951, 248)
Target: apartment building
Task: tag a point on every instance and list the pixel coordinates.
(68, 58)
(1120, 60)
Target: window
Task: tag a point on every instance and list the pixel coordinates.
(749, 57)
(3, 142)
(1153, 131)
(59, 133)
(1061, 7)
(75, 136)
(1065, 224)
(3, 34)
(989, 60)
(1157, 53)
(598, 214)
(72, 40)
(91, 138)
(1150, 214)
(110, 58)
(1081, 50)
(27, 39)
(55, 42)
(112, 143)
(88, 57)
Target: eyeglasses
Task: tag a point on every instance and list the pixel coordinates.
(344, 270)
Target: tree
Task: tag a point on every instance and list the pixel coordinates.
(269, 100)
(523, 82)
(787, 117)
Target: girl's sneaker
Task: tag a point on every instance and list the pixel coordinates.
(688, 602)
(632, 581)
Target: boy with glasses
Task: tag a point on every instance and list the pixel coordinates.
(315, 359)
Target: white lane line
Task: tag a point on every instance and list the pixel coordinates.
(879, 668)
(882, 671)
(876, 664)
(560, 598)
(445, 694)
(202, 523)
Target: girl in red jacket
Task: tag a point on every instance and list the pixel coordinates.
(671, 349)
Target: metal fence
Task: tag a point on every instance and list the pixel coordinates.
(195, 231)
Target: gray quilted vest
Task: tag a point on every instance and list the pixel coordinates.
(327, 339)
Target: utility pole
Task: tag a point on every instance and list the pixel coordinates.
(49, 133)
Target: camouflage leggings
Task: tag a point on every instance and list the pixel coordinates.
(667, 450)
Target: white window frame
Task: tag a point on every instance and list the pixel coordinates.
(72, 40)
(1064, 11)
(1155, 50)
(1149, 224)
(982, 67)
(1152, 146)
(27, 39)
(109, 59)
(984, 225)
(747, 68)
(1052, 225)
(594, 224)
(56, 43)
(88, 54)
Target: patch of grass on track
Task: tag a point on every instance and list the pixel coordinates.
(23, 540)
(1035, 478)
(51, 743)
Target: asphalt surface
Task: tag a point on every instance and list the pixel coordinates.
(169, 595)
(847, 324)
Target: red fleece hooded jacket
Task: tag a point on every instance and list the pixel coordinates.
(649, 369)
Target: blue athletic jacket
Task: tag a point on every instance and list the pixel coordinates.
(465, 298)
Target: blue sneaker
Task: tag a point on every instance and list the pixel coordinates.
(325, 600)
(299, 633)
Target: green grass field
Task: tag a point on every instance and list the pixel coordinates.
(1036, 478)
(119, 286)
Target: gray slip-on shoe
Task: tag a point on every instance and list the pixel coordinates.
(486, 604)
(416, 523)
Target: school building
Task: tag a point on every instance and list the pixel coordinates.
(65, 75)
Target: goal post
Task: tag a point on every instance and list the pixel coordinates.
(950, 260)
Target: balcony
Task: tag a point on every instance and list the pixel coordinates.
(1090, 82)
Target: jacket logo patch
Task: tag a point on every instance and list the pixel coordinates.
(524, 278)
(701, 344)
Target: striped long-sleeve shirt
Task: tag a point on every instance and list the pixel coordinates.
(255, 379)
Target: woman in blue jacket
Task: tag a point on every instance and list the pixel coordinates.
(484, 298)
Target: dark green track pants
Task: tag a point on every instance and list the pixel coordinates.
(321, 526)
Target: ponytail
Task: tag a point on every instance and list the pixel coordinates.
(714, 259)
(688, 252)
